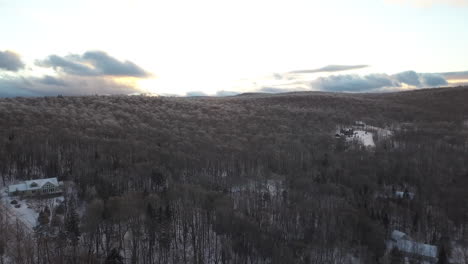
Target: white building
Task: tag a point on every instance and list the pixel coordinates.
(36, 187)
(401, 195)
(412, 249)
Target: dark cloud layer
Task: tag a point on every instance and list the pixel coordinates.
(432, 79)
(353, 83)
(93, 63)
(66, 85)
(455, 75)
(333, 68)
(420, 79)
(108, 65)
(50, 80)
(377, 82)
(90, 73)
(10, 61)
(68, 64)
(408, 77)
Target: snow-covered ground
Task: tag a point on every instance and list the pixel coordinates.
(364, 134)
(271, 186)
(364, 137)
(459, 254)
(381, 132)
(29, 209)
(25, 213)
(405, 244)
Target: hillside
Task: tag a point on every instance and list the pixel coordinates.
(253, 178)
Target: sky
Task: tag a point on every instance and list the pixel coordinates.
(214, 47)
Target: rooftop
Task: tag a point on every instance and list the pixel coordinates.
(404, 243)
(32, 184)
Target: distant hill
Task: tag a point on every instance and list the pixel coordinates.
(221, 119)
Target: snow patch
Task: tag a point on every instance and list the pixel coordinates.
(270, 186)
(364, 137)
(405, 244)
(28, 210)
(24, 213)
(363, 133)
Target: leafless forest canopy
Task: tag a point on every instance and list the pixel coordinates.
(253, 178)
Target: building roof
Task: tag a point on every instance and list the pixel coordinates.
(29, 185)
(405, 244)
(398, 235)
(417, 248)
(400, 194)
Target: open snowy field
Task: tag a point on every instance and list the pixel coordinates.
(364, 137)
(27, 210)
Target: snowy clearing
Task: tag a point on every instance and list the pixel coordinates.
(28, 210)
(363, 134)
(270, 186)
(24, 213)
(364, 137)
(381, 132)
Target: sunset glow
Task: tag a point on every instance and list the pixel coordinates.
(209, 46)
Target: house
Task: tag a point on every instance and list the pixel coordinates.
(405, 194)
(36, 187)
(359, 124)
(412, 249)
(347, 132)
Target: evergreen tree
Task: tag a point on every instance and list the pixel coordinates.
(43, 218)
(56, 221)
(396, 256)
(114, 257)
(72, 226)
(442, 256)
(47, 211)
(150, 222)
(2, 250)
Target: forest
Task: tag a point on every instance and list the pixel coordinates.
(252, 178)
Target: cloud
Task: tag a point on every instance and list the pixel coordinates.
(354, 83)
(50, 80)
(455, 75)
(378, 82)
(15, 87)
(10, 61)
(420, 79)
(332, 68)
(94, 72)
(108, 65)
(93, 63)
(65, 85)
(68, 65)
(408, 77)
(223, 93)
(432, 79)
(195, 93)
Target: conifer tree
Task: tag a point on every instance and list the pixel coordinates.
(72, 226)
(114, 257)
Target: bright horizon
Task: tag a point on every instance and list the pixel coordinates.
(207, 47)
